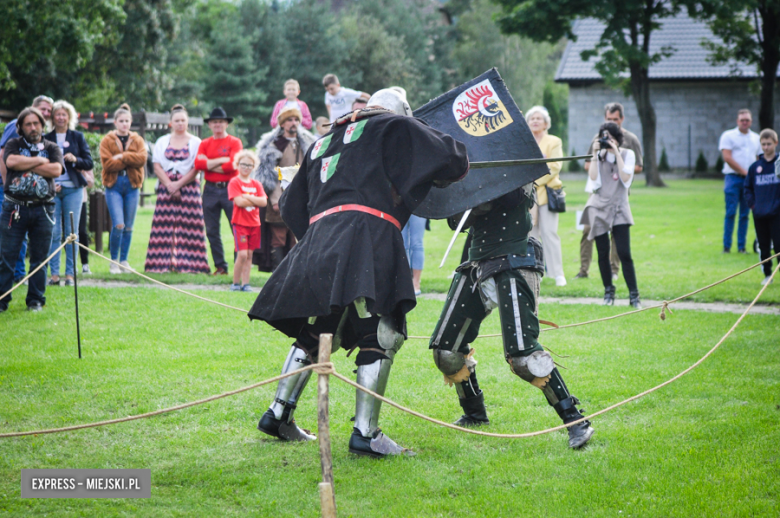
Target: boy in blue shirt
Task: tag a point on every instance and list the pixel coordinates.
(762, 194)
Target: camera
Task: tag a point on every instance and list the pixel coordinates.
(604, 140)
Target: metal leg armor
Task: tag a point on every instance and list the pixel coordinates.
(558, 396)
(367, 439)
(278, 419)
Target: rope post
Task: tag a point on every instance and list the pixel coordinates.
(75, 282)
(327, 494)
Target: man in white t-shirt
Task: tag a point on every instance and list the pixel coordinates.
(338, 99)
(740, 147)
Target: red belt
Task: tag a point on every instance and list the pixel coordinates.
(356, 208)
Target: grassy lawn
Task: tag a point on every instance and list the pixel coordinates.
(704, 446)
(676, 244)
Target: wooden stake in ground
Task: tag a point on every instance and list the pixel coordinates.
(327, 494)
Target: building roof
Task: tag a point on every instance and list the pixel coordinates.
(683, 33)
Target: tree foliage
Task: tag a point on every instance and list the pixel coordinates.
(750, 30)
(48, 50)
(623, 56)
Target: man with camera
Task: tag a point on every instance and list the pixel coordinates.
(613, 112)
(32, 164)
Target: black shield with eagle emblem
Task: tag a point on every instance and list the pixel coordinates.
(482, 114)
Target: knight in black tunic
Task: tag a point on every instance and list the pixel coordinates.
(348, 274)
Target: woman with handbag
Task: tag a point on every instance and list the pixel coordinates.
(69, 186)
(609, 177)
(550, 197)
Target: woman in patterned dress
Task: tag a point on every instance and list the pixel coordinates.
(178, 241)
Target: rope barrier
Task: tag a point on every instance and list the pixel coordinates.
(325, 368)
(328, 368)
(228, 306)
(71, 238)
(663, 305)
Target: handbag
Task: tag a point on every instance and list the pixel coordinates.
(556, 200)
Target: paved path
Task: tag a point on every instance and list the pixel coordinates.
(714, 307)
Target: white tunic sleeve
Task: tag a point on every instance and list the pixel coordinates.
(629, 161)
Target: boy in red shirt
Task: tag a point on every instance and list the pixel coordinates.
(247, 195)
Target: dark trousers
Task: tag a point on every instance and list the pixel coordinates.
(83, 234)
(623, 245)
(38, 222)
(215, 201)
(768, 231)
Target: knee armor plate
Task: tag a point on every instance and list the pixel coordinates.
(534, 368)
(456, 367)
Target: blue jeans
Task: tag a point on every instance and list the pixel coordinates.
(19, 270)
(122, 201)
(38, 222)
(734, 198)
(413, 234)
(67, 200)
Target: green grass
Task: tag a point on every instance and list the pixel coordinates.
(676, 244)
(704, 446)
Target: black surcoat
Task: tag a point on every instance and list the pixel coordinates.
(383, 162)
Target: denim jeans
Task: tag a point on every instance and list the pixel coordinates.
(67, 200)
(735, 198)
(19, 270)
(122, 201)
(413, 234)
(38, 222)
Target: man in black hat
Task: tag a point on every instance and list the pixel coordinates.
(215, 158)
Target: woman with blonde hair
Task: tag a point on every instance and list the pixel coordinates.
(177, 242)
(123, 154)
(69, 186)
(545, 227)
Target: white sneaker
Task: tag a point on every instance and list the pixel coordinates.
(126, 266)
(560, 281)
(85, 270)
(114, 268)
(765, 281)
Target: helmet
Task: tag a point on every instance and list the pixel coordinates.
(390, 100)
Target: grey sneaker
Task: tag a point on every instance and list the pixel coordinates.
(126, 267)
(114, 269)
(766, 280)
(247, 288)
(35, 307)
(235, 287)
(85, 270)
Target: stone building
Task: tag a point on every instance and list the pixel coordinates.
(694, 101)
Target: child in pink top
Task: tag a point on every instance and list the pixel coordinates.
(291, 92)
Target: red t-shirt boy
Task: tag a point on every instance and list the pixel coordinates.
(247, 195)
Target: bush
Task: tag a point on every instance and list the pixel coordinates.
(663, 164)
(574, 165)
(701, 163)
(719, 163)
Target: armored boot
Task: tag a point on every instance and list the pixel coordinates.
(472, 401)
(474, 412)
(367, 439)
(634, 299)
(278, 420)
(609, 296)
(558, 396)
(277, 254)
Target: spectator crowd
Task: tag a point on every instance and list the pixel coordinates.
(47, 166)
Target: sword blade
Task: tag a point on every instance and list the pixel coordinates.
(527, 161)
(457, 231)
